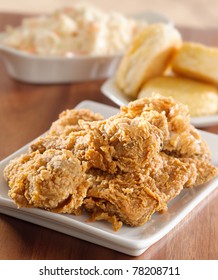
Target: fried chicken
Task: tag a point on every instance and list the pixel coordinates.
(184, 141)
(133, 197)
(122, 141)
(122, 169)
(68, 121)
(54, 180)
(118, 143)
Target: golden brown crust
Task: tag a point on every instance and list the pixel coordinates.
(69, 121)
(134, 197)
(54, 180)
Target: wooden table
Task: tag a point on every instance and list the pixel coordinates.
(26, 111)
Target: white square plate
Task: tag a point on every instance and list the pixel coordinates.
(110, 90)
(131, 241)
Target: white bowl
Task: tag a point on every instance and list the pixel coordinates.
(48, 70)
(45, 70)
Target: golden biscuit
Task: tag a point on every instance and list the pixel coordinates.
(201, 98)
(148, 56)
(197, 61)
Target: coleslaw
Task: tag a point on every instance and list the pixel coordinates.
(78, 30)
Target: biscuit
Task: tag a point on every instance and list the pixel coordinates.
(148, 56)
(197, 61)
(201, 98)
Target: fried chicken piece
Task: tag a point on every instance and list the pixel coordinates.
(184, 140)
(132, 198)
(118, 143)
(48, 141)
(54, 180)
(205, 171)
(68, 121)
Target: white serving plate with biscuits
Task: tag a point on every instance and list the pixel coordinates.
(110, 89)
(131, 241)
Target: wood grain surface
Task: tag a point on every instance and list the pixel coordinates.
(26, 111)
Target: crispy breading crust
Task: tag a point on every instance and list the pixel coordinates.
(69, 121)
(134, 197)
(54, 180)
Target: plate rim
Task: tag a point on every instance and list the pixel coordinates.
(110, 90)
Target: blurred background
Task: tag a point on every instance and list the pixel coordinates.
(196, 13)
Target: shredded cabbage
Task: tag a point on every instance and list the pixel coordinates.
(78, 30)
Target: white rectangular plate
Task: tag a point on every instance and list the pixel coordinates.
(131, 241)
(110, 90)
